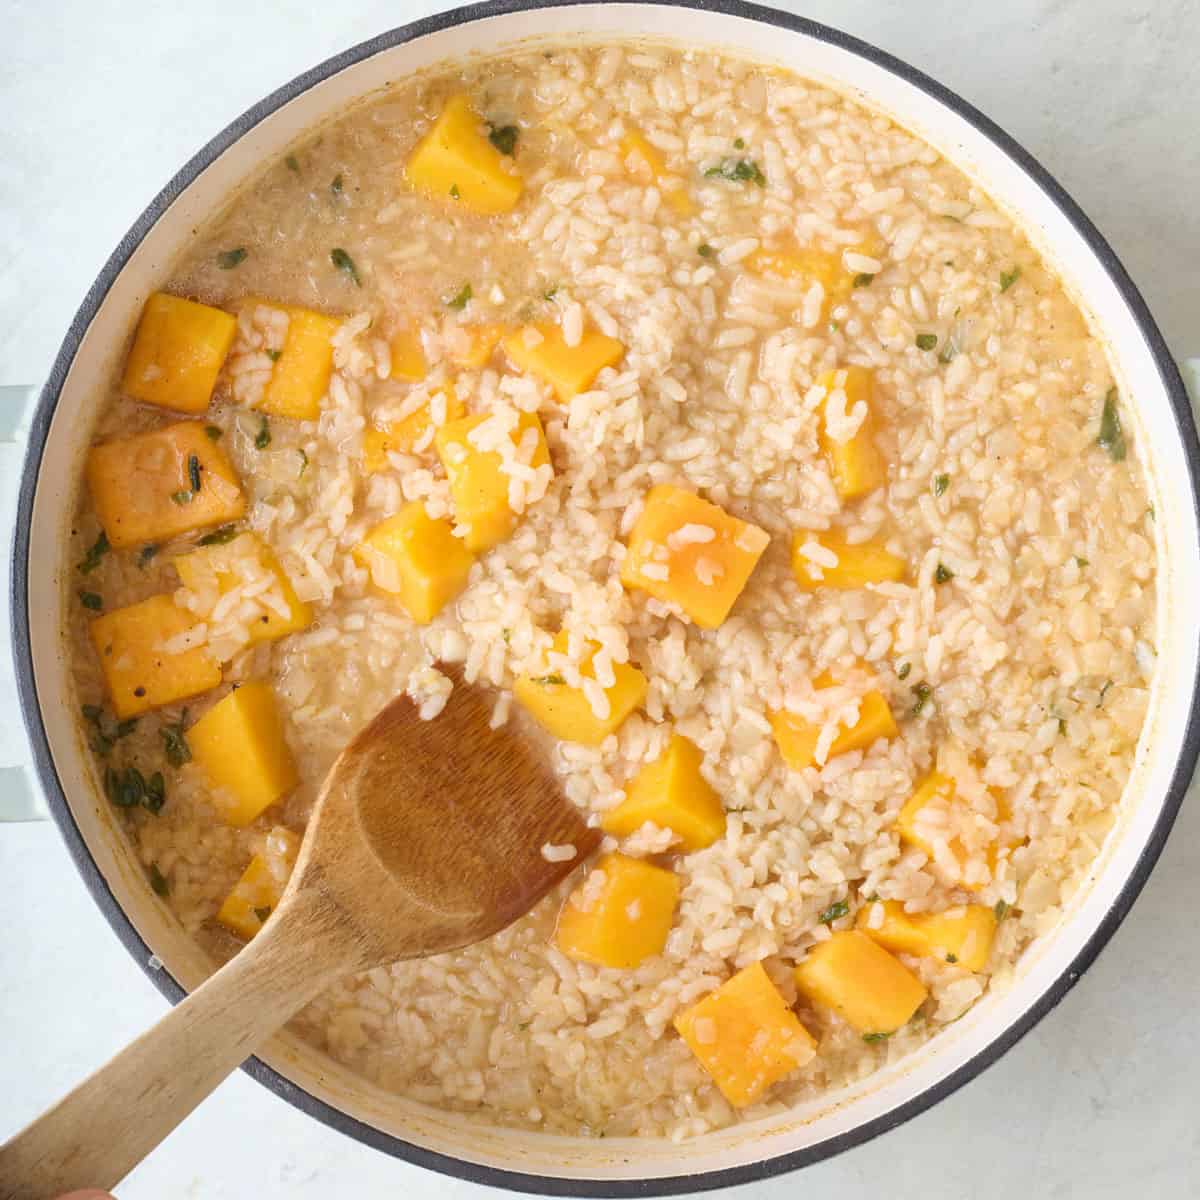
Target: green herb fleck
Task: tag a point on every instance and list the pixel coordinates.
(92, 712)
(550, 293)
(923, 692)
(1081, 562)
(504, 138)
(877, 1037)
(1150, 513)
(181, 497)
(1002, 909)
(705, 250)
(834, 912)
(737, 170)
(834, 327)
(943, 574)
(128, 787)
(262, 914)
(336, 186)
(863, 279)
(455, 194)
(1103, 693)
(926, 341)
(873, 898)
(194, 472)
(1111, 438)
(904, 670)
(940, 484)
(228, 259)
(523, 1025)
(156, 793)
(1062, 726)
(262, 439)
(213, 432)
(344, 262)
(461, 298)
(292, 163)
(175, 744)
(952, 958)
(158, 881)
(274, 355)
(219, 537)
(92, 600)
(506, 634)
(145, 554)
(91, 560)
(303, 462)
(739, 143)
(1008, 278)
(550, 680)
(949, 352)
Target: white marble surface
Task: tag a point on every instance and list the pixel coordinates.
(101, 102)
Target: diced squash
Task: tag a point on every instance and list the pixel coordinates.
(856, 464)
(478, 484)
(797, 738)
(673, 794)
(635, 146)
(942, 789)
(239, 744)
(408, 357)
(418, 559)
(745, 1036)
(692, 553)
(858, 564)
(409, 435)
(253, 898)
(300, 377)
(220, 564)
(621, 916)
(808, 265)
(481, 342)
(870, 989)
(140, 674)
(566, 712)
(541, 350)
(177, 354)
(961, 935)
(456, 163)
(143, 487)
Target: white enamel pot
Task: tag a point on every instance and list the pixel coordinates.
(579, 1166)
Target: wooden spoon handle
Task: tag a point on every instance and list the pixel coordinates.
(96, 1134)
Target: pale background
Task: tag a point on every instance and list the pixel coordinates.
(100, 102)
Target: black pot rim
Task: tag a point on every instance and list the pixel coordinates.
(123, 927)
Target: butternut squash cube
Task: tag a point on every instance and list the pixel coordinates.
(941, 789)
(567, 713)
(418, 559)
(239, 744)
(138, 671)
(300, 377)
(797, 738)
(481, 342)
(745, 1036)
(620, 915)
(409, 435)
(478, 484)
(855, 461)
(408, 357)
(961, 935)
(143, 487)
(635, 147)
(870, 989)
(228, 565)
(541, 350)
(246, 909)
(456, 163)
(673, 794)
(691, 553)
(177, 354)
(858, 564)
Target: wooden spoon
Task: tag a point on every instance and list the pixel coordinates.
(427, 836)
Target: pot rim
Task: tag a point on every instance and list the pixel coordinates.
(77, 847)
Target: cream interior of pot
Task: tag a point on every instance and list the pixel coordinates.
(1179, 581)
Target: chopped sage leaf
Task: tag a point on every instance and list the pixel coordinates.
(943, 574)
(877, 1037)
(158, 881)
(927, 341)
(739, 143)
(228, 259)
(1103, 693)
(1002, 909)
(952, 958)
(274, 355)
(504, 137)
(262, 914)
(904, 670)
(705, 250)
(262, 439)
(98, 549)
(550, 680)
(145, 554)
(1008, 278)
(1062, 726)
(923, 692)
(92, 600)
(737, 170)
(219, 537)
(175, 744)
(156, 793)
(863, 279)
(834, 912)
(1112, 437)
(461, 298)
(213, 432)
(181, 497)
(455, 194)
(550, 293)
(1081, 562)
(194, 472)
(303, 462)
(345, 263)
(948, 352)
(336, 186)
(940, 484)
(292, 163)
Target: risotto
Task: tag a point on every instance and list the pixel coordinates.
(755, 462)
